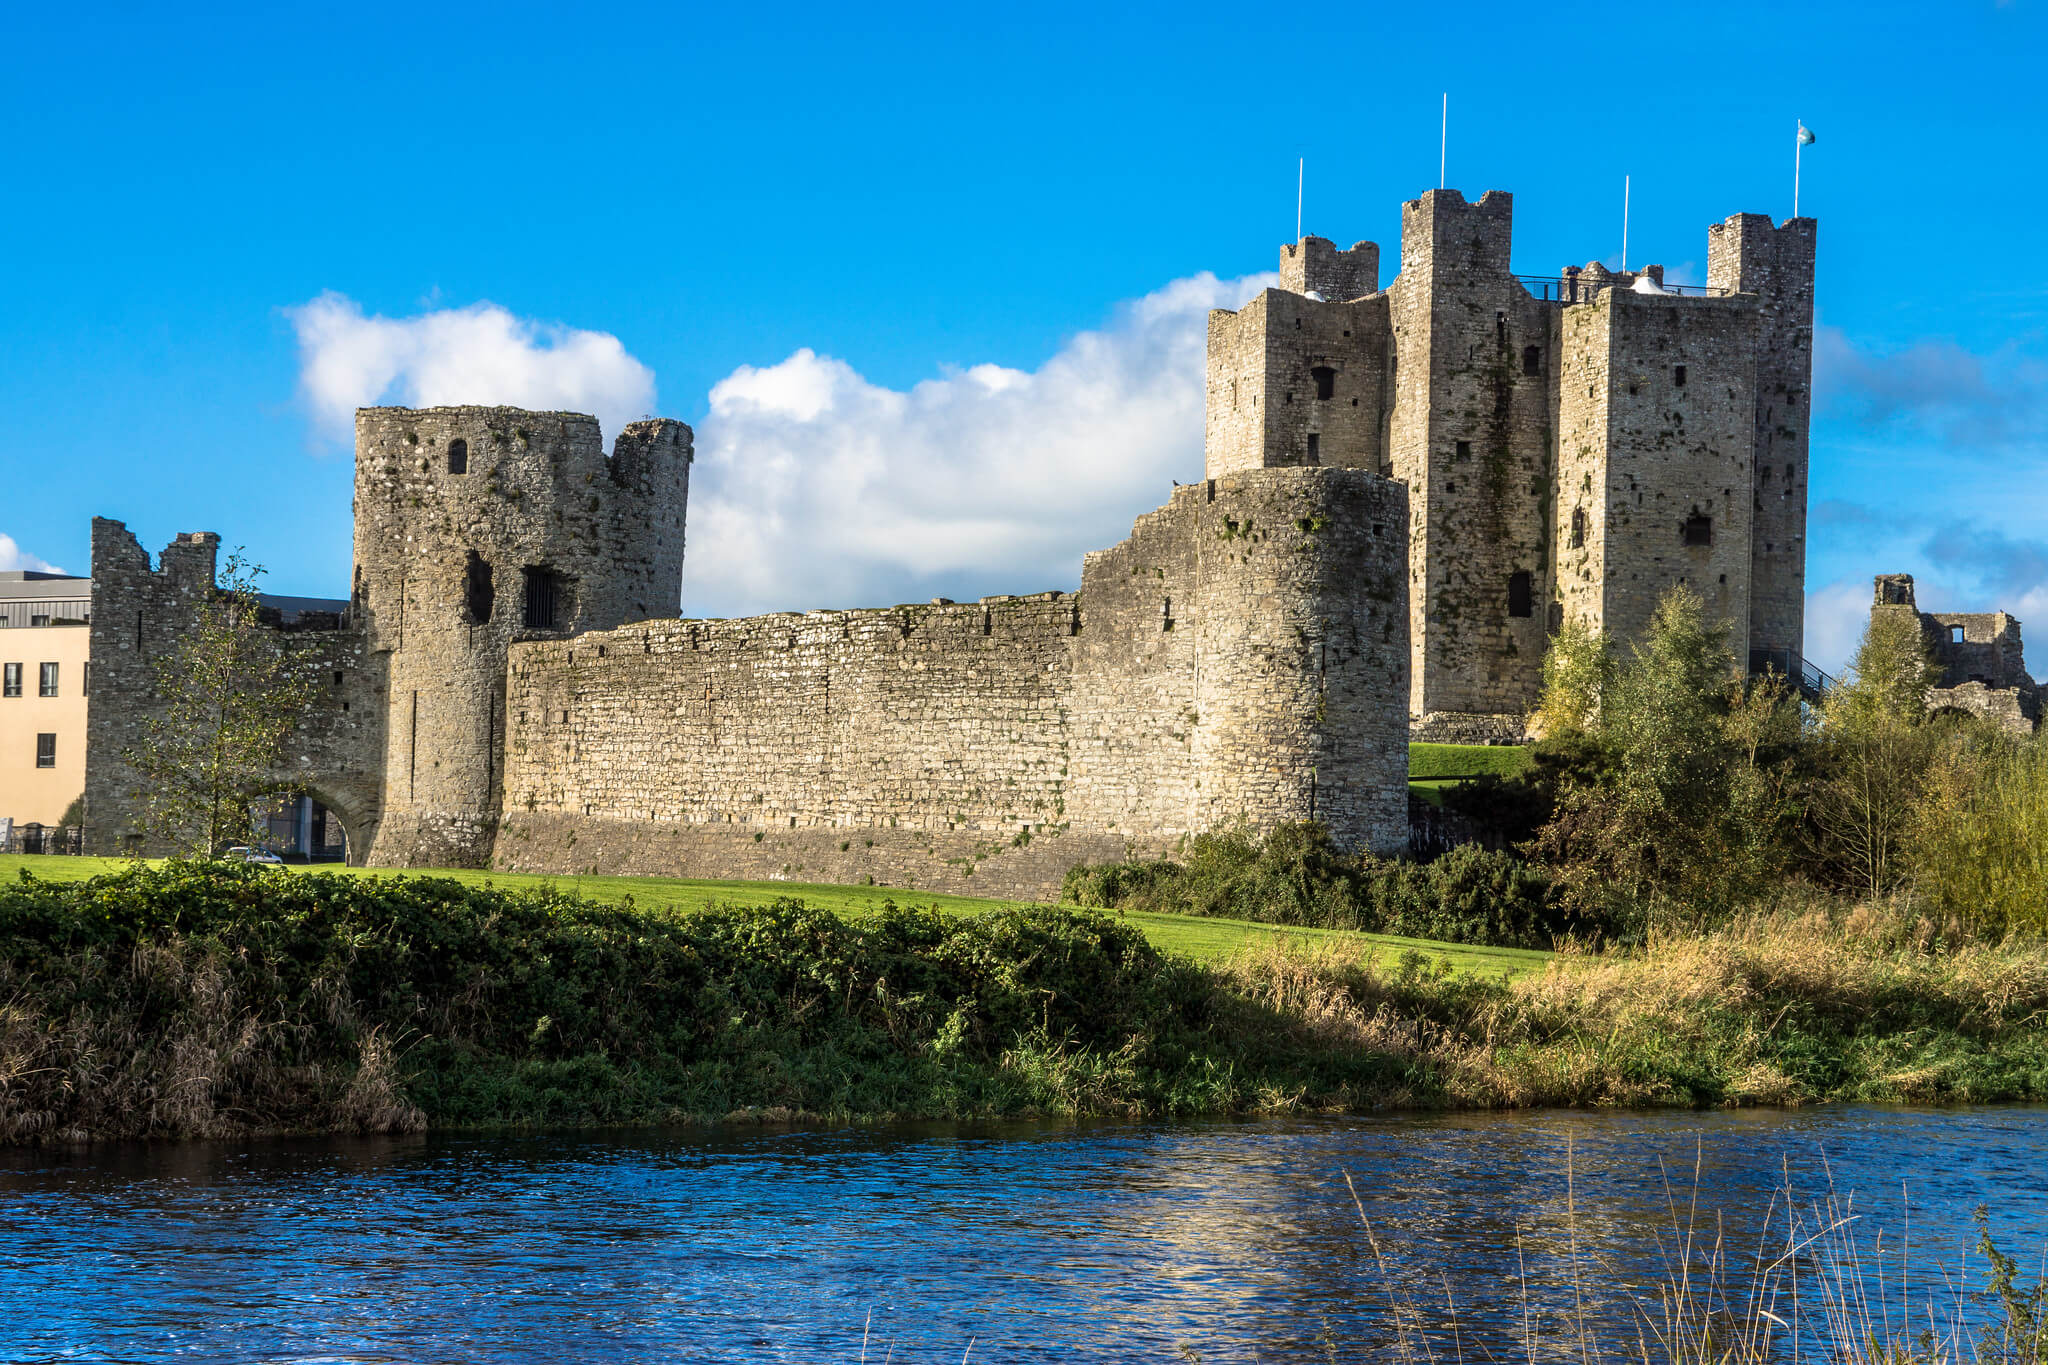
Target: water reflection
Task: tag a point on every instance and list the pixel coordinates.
(1048, 1242)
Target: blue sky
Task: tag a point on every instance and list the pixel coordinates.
(942, 266)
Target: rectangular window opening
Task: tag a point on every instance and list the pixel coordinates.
(46, 683)
(1521, 594)
(1699, 530)
(543, 599)
(12, 681)
(46, 751)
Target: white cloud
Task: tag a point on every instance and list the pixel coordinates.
(1835, 617)
(479, 354)
(12, 557)
(815, 487)
(1936, 391)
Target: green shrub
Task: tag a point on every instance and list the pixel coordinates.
(1465, 760)
(1295, 876)
(207, 999)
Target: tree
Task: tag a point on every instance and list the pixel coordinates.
(1876, 750)
(1575, 670)
(1687, 806)
(229, 698)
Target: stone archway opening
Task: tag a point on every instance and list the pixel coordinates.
(331, 830)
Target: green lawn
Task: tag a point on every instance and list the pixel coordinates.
(1465, 760)
(1199, 937)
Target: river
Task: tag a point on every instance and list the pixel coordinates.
(1017, 1242)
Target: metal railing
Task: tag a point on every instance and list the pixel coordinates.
(1578, 289)
(1813, 684)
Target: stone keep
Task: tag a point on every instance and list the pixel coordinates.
(1573, 446)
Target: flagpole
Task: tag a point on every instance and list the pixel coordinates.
(1624, 225)
(1300, 175)
(1443, 144)
(1798, 146)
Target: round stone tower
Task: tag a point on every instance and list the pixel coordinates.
(476, 527)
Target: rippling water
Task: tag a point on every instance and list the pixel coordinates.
(1234, 1241)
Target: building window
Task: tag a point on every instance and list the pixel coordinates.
(10, 683)
(1578, 528)
(46, 751)
(46, 684)
(1521, 595)
(43, 620)
(1955, 635)
(543, 598)
(1315, 448)
(1326, 381)
(1678, 375)
(458, 457)
(1464, 450)
(1699, 530)
(1532, 360)
(478, 596)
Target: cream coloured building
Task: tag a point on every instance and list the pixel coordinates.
(44, 645)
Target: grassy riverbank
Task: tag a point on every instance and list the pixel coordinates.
(192, 1000)
(1204, 938)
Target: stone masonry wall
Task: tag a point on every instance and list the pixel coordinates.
(1747, 254)
(1656, 415)
(926, 739)
(1269, 364)
(140, 613)
(1471, 436)
(1241, 657)
(1980, 665)
(1314, 265)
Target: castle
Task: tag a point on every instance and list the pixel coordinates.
(1407, 489)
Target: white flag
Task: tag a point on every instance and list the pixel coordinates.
(1805, 136)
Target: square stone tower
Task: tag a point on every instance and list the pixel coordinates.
(1574, 446)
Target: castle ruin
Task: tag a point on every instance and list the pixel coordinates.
(1979, 667)
(1407, 490)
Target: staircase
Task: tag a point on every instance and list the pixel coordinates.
(1813, 684)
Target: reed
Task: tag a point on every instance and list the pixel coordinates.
(1808, 1283)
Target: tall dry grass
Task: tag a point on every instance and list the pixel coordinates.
(160, 1042)
(1786, 1008)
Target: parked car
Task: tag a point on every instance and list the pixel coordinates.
(244, 853)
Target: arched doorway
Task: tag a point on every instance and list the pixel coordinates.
(334, 818)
